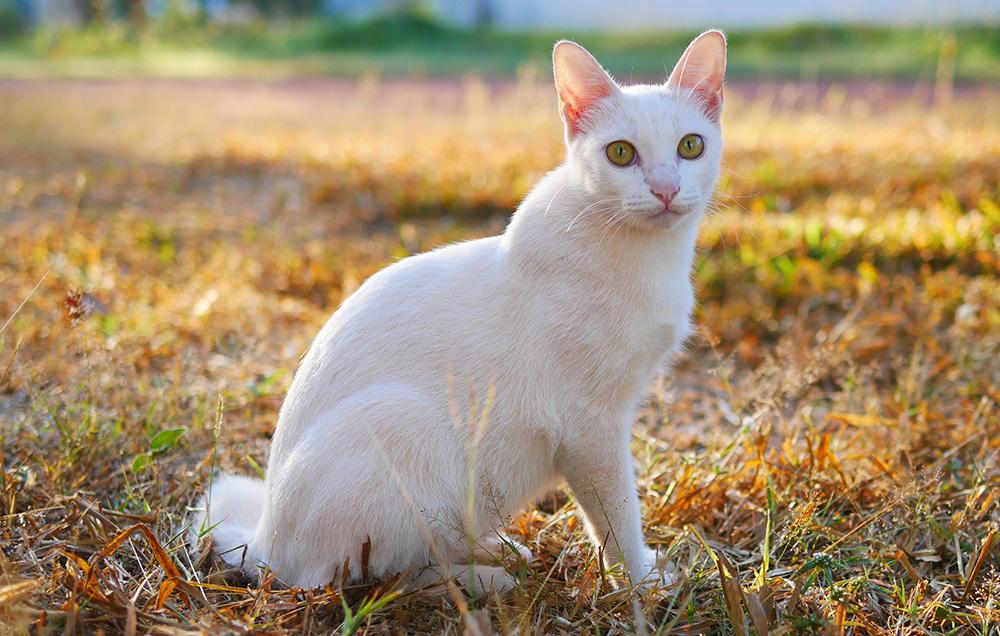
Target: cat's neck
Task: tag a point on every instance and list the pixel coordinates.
(551, 230)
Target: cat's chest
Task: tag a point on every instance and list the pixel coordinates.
(662, 329)
(618, 339)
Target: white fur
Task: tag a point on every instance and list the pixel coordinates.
(525, 353)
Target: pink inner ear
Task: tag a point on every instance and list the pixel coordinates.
(704, 85)
(712, 101)
(575, 106)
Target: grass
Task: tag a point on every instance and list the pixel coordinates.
(411, 45)
(823, 460)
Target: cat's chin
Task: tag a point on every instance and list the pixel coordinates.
(664, 218)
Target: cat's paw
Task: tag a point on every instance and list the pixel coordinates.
(654, 572)
(476, 580)
(501, 549)
(523, 552)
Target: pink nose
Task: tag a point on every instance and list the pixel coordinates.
(665, 193)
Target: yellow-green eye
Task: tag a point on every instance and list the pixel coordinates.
(621, 153)
(691, 146)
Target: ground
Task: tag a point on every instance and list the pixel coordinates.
(824, 456)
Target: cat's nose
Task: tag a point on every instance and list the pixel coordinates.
(665, 193)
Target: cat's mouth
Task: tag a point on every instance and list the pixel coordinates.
(666, 217)
(667, 212)
(660, 216)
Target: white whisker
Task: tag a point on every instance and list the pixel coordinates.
(590, 207)
(554, 195)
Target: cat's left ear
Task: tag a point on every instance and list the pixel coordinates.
(581, 83)
(701, 70)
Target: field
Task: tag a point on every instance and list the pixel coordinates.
(824, 459)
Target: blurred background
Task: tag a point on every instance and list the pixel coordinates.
(188, 188)
(894, 38)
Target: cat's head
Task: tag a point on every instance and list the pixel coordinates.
(649, 153)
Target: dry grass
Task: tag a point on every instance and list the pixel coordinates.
(824, 458)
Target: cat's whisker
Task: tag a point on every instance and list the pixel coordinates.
(617, 220)
(738, 174)
(617, 216)
(595, 220)
(582, 212)
(554, 195)
(590, 207)
(732, 200)
(734, 197)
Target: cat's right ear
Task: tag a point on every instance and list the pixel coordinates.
(581, 83)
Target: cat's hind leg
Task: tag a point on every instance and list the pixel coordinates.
(381, 469)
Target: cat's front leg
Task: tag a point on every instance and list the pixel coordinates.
(597, 465)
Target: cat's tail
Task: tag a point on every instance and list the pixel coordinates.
(229, 511)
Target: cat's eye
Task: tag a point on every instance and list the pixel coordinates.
(621, 153)
(691, 146)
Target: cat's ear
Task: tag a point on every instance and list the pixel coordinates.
(580, 82)
(701, 70)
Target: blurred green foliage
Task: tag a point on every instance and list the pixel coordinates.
(11, 22)
(414, 42)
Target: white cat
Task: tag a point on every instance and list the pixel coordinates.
(523, 356)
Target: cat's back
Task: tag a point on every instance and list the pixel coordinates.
(415, 284)
(402, 326)
(409, 312)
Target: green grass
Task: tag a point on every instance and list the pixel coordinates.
(413, 45)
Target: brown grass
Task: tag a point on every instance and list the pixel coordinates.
(824, 459)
